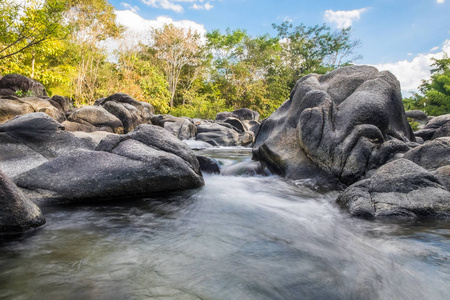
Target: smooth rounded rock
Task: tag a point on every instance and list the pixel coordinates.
(17, 212)
(144, 162)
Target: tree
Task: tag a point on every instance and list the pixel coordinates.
(313, 49)
(24, 25)
(139, 76)
(92, 22)
(437, 90)
(176, 48)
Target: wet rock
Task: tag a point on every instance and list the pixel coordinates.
(399, 189)
(208, 165)
(335, 127)
(141, 163)
(17, 212)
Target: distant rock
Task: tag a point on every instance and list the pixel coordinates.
(11, 106)
(93, 118)
(435, 128)
(182, 128)
(417, 115)
(12, 84)
(217, 135)
(243, 114)
(128, 110)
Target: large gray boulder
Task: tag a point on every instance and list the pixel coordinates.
(336, 127)
(144, 162)
(30, 140)
(12, 83)
(399, 189)
(17, 212)
(93, 118)
(128, 110)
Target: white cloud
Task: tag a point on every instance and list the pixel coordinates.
(176, 6)
(440, 1)
(206, 6)
(434, 49)
(410, 73)
(343, 18)
(136, 23)
(130, 7)
(164, 4)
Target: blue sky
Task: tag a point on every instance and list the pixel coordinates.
(397, 35)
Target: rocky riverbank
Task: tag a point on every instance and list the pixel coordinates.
(346, 130)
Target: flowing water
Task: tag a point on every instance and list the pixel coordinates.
(237, 237)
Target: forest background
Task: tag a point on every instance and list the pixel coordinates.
(76, 49)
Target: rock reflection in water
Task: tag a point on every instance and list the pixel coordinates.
(235, 238)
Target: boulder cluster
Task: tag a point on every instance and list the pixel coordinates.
(346, 130)
(115, 149)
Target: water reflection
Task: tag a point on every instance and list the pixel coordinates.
(236, 238)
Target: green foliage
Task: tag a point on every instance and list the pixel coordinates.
(26, 24)
(21, 93)
(61, 44)
(414, 125)
(436, 92)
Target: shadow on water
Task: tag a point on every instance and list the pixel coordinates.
(235, 238)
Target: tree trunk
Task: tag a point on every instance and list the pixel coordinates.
(33, 59)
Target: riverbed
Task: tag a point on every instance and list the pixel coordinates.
(238, 237)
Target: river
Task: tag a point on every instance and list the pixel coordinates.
(238, 237)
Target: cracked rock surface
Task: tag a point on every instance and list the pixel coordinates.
(336, 127)
(398, 189)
